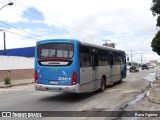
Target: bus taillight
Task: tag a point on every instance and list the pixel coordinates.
(74, 78)
(36, 76)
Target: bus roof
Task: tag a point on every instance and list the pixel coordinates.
(56, 40)
(81, 42)
(101, 47)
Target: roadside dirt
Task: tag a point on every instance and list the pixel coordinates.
(149, 101)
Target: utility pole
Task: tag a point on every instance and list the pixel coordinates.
(131, 56)
(4, 40)
(141, 57)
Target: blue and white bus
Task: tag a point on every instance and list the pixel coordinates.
(63, 65)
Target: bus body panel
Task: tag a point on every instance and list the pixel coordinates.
(58, 88)
(59, 77)
(55, 75)
(103, 71)
(116, 73)
(86, 79)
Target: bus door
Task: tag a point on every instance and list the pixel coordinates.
(94, 63)
(111, 61)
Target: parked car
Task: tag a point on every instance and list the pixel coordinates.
(151, 66)
(134, 69)
(157, 76)
(154, 65)
(145, 66)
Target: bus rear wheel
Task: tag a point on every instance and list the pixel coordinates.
(103, 84)
(120, 81)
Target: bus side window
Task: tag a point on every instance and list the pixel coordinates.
(96, 60)
(84, 57)
(100, 58)
(105, 62)
(111, 60)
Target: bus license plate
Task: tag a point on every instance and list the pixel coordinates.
(53, 82)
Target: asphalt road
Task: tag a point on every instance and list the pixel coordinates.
(25, 98)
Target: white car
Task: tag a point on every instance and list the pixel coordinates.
(157, 76)
(128, 67)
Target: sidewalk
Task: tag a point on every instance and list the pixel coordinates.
(154, 92)
(17, 82)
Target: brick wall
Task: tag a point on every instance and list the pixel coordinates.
(17, 74)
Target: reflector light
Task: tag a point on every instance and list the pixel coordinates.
(74, 78)
(36, 76)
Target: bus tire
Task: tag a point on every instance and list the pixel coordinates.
(120, 81)
(103, 84)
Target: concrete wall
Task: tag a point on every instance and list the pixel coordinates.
(17, 67)
(12, 62)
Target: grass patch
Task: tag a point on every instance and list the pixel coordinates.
(7, 80)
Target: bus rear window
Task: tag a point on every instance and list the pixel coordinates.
(55, 50)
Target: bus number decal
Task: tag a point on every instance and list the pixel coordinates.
(64, 78)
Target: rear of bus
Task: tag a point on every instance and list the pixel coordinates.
(57, 66)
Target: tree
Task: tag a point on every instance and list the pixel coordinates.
(155, 44)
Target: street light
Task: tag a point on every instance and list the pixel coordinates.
(10, 3)
(4, 34)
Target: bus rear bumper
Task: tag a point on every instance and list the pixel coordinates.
(53, 88)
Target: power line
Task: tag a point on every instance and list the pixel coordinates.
(22, 30)
(25, 13)
(37, 13)
(64, 25)
(18, 33)
(36, 17)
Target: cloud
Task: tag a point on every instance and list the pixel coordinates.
(128, 23)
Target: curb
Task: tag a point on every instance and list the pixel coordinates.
(153, 95)
(12, 85)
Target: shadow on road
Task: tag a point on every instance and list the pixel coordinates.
(70, 97)
(75, 97)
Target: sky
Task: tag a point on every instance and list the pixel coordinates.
(127, 23)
